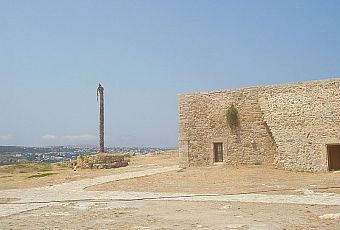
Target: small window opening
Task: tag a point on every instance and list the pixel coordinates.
(218, 152)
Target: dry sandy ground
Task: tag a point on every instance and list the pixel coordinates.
(18, 179)
(222, 179)
(173, 215)
(179, 214)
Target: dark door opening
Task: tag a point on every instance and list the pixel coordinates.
(218, 152)
(333, 157)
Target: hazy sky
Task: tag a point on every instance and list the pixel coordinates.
(54, 53)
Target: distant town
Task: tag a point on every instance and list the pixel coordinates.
(19, 154)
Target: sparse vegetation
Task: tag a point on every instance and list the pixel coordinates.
(258, 163)
(41, 175)
(64, 164)
(232, 117)
(26, 168)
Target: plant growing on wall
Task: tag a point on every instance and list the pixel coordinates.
(232, 117)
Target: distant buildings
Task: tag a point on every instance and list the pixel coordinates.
(17, 154)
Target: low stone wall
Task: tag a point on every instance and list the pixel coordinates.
(101, 161)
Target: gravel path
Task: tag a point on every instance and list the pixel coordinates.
(30, 199)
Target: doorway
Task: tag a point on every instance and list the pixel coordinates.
(218, 152)
(333, 157)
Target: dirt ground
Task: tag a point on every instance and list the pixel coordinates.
(14, 177)
(222, 179)
(173, 215)
(179, 214)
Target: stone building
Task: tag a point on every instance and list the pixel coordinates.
(292, 126)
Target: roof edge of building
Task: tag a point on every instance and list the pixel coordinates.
(261, 86)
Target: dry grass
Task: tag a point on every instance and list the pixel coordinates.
(26, 168)
(15, 176)
(41, 175)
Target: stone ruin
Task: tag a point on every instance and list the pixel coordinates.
(101, 161)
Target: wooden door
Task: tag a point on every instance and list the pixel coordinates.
(333, 157)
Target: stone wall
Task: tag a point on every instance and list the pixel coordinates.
(101, 161)
(285, 125)
(203, 122)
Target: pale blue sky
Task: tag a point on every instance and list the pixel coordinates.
(54, 53)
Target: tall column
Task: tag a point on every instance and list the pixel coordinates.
(100, 90)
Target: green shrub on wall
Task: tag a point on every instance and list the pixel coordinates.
(232, 117)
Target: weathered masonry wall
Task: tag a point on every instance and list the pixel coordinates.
(203, 122)
(303, 119)
(286, 125)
